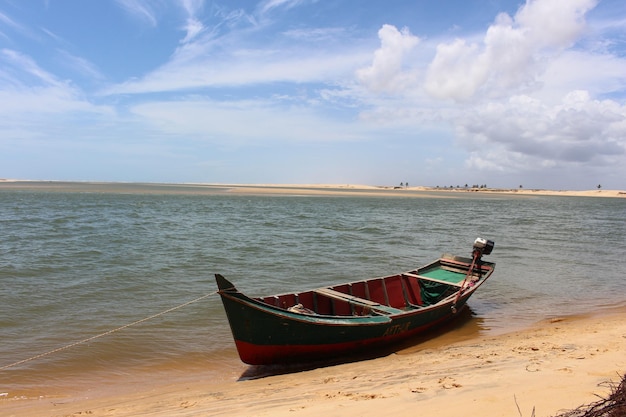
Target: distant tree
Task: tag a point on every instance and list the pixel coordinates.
(520, 186)
(401, 184)
(406, 184)
(599, 186)
(465, 185)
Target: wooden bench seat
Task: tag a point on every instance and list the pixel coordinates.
(357, 300)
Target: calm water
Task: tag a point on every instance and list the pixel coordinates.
(77, 264)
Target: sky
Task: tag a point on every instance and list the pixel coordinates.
(482, 92)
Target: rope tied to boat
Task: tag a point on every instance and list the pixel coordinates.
(108, 332)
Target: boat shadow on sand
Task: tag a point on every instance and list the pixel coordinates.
(465, 326)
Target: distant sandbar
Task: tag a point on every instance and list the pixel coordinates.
(288, 189)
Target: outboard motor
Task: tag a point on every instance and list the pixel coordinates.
(482, 247)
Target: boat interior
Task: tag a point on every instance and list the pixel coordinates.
(394, 294)
(381, 296)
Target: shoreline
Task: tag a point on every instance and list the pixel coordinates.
(289, 189)
(555, 365)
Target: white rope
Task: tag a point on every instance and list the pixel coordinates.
(89, 339)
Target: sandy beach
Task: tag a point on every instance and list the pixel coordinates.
(557, 365)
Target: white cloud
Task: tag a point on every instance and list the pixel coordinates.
(11, 23)
(523, 99)
(27, 89)
(554, 23)
(387, 73)
(238, 122)
(268, 5)
(151, 12)
(315, 34)
(199, 66)
(513, 52)
(194, 26)
(41, 100)
(456, 72)
(524, 134)
(15, 26)
(539, 89)
(80, 65)
(229, 54)
(600, 74)
(25, 65)
(192, 7)
(140, 9)
(193, 29)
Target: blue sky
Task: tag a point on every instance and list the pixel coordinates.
(495, 92)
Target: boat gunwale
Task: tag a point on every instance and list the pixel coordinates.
(371, 319)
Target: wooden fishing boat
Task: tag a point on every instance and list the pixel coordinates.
(355, 317)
